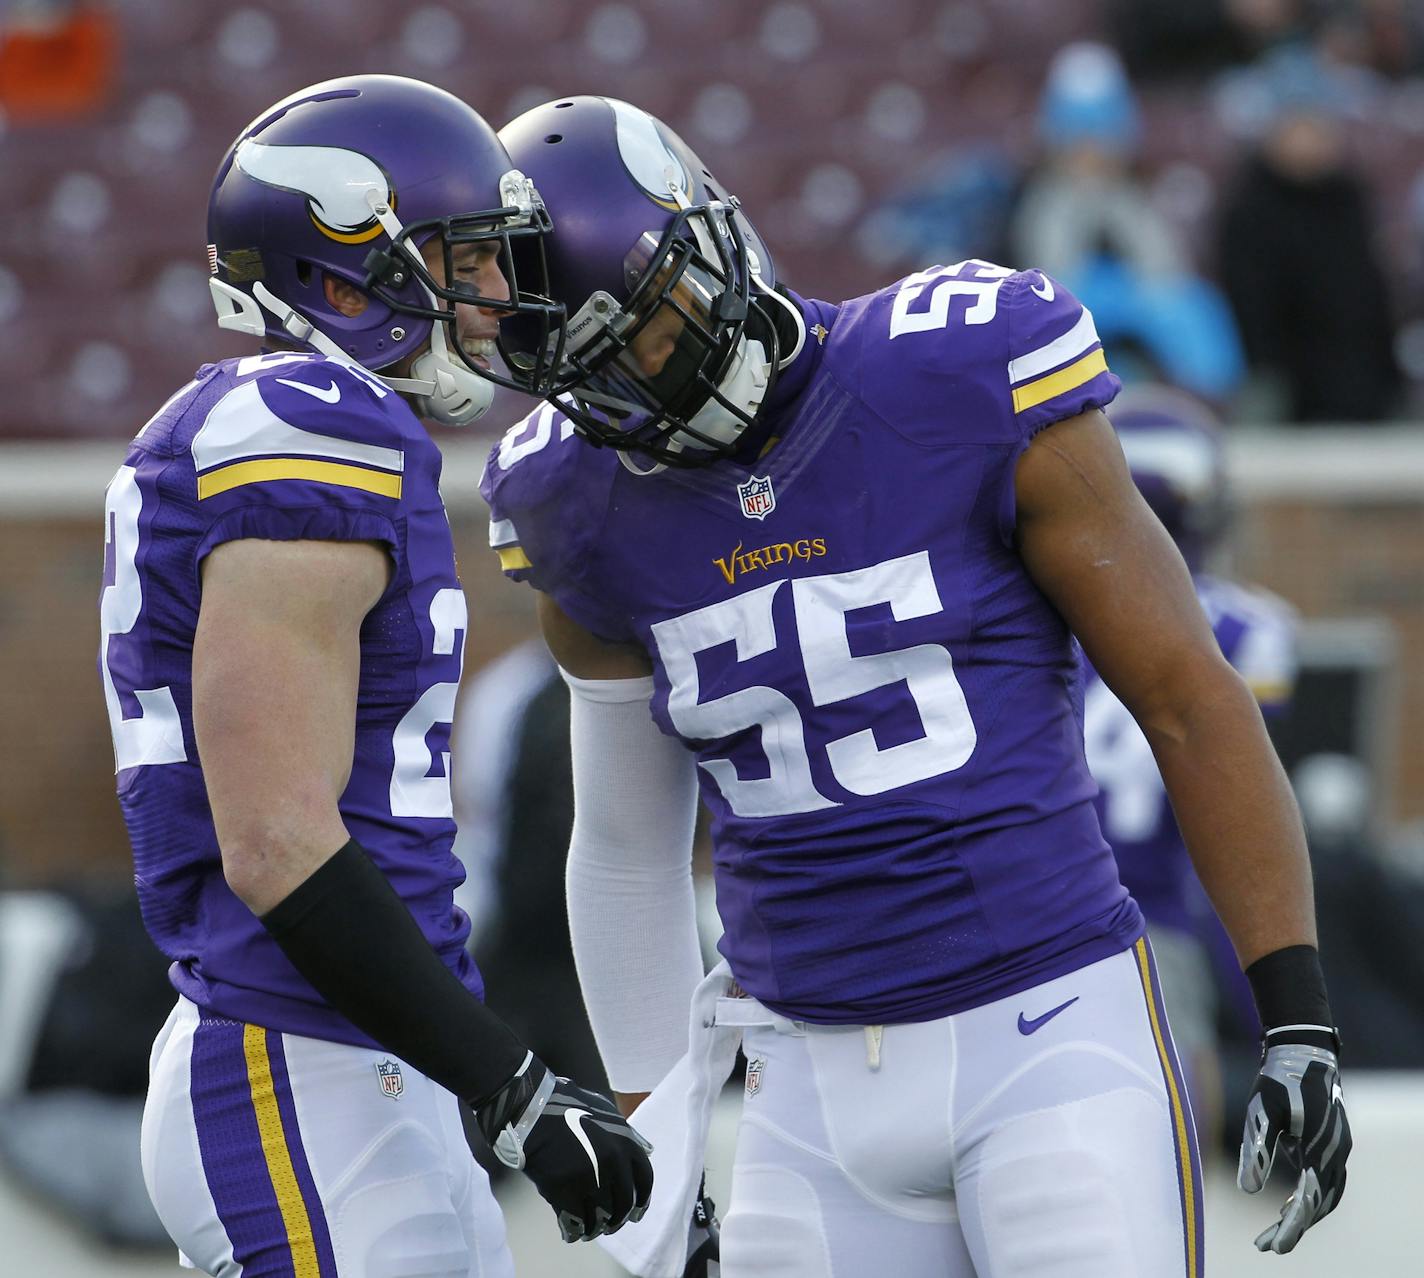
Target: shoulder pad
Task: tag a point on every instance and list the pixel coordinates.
(537, 509)
(308, 418)
(1057, 367)
(980, 353)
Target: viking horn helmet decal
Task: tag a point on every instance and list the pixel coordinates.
(334, 180)
(650, 162)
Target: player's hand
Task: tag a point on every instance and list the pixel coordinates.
(1296, 1109)
(585, 1160)
(704, 1241)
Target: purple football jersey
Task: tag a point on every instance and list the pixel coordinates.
(281, 447)
(1256, 633)
(883, 706)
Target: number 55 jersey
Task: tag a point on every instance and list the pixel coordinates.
(280, 447)
(884, 709)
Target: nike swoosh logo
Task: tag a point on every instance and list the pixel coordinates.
(1046, 292)
(328, 396)
(574, 1118)
(1038, 1022)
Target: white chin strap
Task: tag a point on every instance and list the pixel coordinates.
(444, 389)
(749, 373)
(744, 385)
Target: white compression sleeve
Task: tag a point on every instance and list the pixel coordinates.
(632, 916)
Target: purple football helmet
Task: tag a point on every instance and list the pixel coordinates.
(672, 339)
(351, 178)
(1173, 448)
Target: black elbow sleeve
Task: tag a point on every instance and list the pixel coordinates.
(350, 935)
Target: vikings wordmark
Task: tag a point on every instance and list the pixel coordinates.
(740, 562)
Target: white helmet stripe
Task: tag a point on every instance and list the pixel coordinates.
(648, 158)
(338, 182)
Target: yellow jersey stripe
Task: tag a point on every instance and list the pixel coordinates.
(1065, 379)
(1190, 1205)
(224, 478)
(293, 1207)
(1271, 691)
(512, 557)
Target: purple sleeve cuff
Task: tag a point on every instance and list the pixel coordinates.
(311, 523)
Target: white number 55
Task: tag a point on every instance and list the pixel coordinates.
(970, 278)
(833, 674)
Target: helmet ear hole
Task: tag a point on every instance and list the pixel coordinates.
(304, 274)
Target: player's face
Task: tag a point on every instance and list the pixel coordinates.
(654, 344)
(477, 269)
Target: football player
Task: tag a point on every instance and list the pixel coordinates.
(1174, 453)
(823, 564)
(282, 636)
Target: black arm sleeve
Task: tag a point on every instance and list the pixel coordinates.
(1289, 987)
(351, 936)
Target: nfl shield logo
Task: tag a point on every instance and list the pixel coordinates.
(392, 1084)
(754, 1071)
(758, 501)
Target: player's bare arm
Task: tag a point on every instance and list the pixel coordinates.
(582, 653)
(275, 668)
(1096, 550)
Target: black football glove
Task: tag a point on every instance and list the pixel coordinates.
(585, 1160)
(1297, 1109)
(704, 1239)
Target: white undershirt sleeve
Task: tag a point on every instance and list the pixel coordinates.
(632, 916)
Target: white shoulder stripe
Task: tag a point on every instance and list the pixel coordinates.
(241, 425)
(502, 533)
(1059, 351)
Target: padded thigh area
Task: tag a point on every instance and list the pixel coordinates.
(1059, 1192)
(392, 1215)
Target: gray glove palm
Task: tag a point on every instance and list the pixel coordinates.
(1296, 1109)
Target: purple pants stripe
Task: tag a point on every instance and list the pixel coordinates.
(256, 1169)
(1184, 1136)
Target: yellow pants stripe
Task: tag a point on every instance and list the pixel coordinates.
(213, 482)
(1065, 379)
(293, 1207)
(512, 558)
(1182, 1130)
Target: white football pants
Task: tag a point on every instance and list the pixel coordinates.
(269, 1153)
(1046, 1135)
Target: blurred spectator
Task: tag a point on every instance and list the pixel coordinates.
(82, 993)
(1384, 36)
(1167, 37)
(1081, 213)
(1085, 216)
(56, 59)
(959, 210)
(1369, 917)
(1298, 255)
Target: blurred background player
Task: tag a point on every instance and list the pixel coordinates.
(282, 638)
(1174, 451)
(825, 561)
